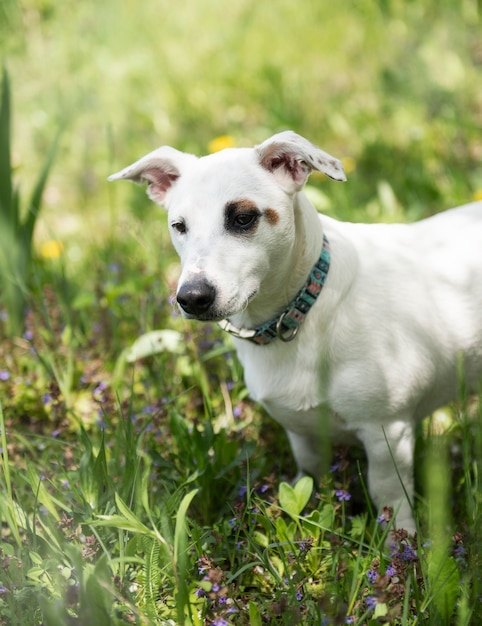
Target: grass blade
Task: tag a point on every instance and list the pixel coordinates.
(5, 162)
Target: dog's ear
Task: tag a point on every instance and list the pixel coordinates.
(291, 158)
(160, 169)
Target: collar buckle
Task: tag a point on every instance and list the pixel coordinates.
(285, 335)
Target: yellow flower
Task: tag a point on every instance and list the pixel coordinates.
(349, 164)
(220, 143)
(478, 194)
(52, 249)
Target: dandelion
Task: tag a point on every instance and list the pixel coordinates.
(478, 194)
(221, 143)
(342, 494)
(349, 164)
(52, 249)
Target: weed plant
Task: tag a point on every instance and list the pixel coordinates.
(138, 483)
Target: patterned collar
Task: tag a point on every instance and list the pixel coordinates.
(285, 326)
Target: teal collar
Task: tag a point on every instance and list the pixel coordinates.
(285, 326)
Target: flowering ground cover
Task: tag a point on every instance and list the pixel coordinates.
(138, 482)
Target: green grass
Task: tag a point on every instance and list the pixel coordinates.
(151, 490)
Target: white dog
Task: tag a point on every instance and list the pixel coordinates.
(349, 330)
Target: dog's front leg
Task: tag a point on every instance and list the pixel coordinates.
(390, 451)
(308, 454)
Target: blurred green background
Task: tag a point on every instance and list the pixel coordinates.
(393, 87)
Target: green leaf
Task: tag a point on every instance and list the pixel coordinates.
(36, 198)
(180, 556)
(155, 342)
(444, 579)
(5, 162)
(294, 499)
(303, 491)
(254, 614)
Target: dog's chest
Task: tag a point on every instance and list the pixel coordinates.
(290, 385)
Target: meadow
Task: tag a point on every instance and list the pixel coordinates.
(138, 482)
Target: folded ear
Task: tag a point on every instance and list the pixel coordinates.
(160, 169)
(291, 158)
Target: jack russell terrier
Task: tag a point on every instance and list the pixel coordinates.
(352, 331)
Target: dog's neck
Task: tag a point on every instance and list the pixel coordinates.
(292, 271)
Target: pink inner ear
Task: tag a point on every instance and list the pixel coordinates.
(275, 158)
(159, 179)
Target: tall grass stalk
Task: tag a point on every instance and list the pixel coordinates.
(16, 229)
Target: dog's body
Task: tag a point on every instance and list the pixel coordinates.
(398, 319)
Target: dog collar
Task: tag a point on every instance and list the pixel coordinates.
(285, 326)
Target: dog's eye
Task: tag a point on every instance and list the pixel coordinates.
(179, 227)
(244, 221)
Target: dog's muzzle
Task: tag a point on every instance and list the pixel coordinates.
(196, 298)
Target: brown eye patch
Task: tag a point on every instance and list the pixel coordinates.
(272, 216)
(241, 217)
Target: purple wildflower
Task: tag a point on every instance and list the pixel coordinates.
(390, 571)
(220, 621)
(299, 596)
(342, 494)
(4, 374)
(46, 398)
(408, 554)
(372, 576)
(371, 602)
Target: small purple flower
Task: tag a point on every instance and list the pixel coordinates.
(335, 467)
(46, 398)
(408, 554)
(350, 620)
(382, 518)
(200, 593)
(4, 374)
(237, 411)
(371, 602)
(215, 587)
(299, 596)
(220, 621)
(459, 552)
(233, 523)
(342, 494)
(242, 491)
(28, 335)
(3, 589)
(372, 576)
(391, 571)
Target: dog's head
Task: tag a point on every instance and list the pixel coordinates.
(231, 216)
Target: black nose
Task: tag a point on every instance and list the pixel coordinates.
(195, 298)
